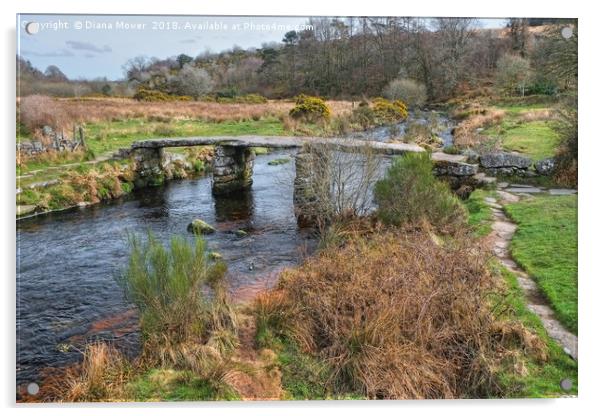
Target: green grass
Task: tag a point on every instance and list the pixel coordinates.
(542, 378)
(516, 109)
(110, 136)
(303, 377)
(172, 385)
(545, 245)
(479, 213)
(535, 139)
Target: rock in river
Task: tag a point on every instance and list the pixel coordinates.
(199, 226)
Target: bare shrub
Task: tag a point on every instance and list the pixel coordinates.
(513, 73)
(407, 90)
(192, 81)
(336, 182)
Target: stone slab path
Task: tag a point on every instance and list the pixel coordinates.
(502, 231)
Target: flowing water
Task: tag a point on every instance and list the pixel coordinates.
(67, 262)
(439, 122)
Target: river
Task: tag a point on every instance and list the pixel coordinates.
(67, 261)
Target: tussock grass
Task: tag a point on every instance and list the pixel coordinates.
(399, 315)
(100, 377)
(188, 325)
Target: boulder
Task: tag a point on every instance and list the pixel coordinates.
(214, 255)
(505, 160)
(199, 226)
(471, 156)
(546, 166)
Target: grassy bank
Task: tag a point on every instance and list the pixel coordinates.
(536, 377)
(535, 139)
(90, 183)
(333, 340)
(545, 245)
(527, 128)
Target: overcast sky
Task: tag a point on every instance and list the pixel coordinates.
(97, 46)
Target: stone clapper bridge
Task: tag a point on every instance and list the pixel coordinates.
(234, 156)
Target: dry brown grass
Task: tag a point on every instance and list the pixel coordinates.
(36, 111)
(401, 315)
(83, 110)
(100, 377)
(466, 135)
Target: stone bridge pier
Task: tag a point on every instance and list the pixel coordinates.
(232, 169)
(148, 166)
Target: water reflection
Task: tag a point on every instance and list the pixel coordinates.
(236, 206)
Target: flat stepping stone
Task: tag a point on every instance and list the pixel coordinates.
(508, 197)
(502, 185)
(520, 185)
(562, 191)
(524, 190)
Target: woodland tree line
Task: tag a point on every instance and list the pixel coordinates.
(352, 58)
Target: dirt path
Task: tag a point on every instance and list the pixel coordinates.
(259, 377)
(500, 237)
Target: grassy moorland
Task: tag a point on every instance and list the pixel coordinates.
(113, 123)
(545, 245)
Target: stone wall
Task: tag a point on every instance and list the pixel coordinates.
(52, 141)
(513, 164)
